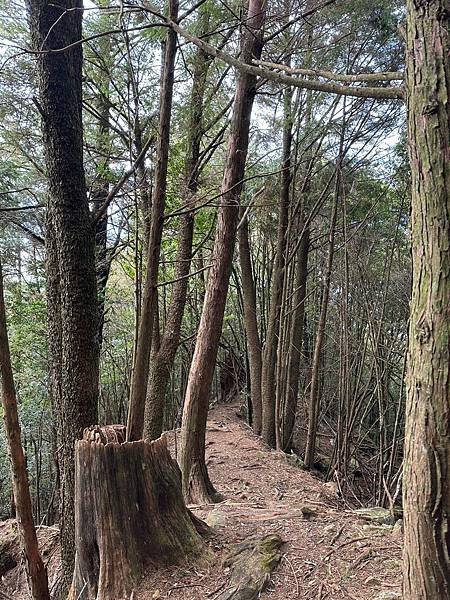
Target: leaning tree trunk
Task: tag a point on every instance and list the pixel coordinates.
(130, 514)
(70, 256)
(196, 483)
(426, 572)
(35, 569)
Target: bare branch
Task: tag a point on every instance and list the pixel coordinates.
(389, 93)
(386, 76)
(116, 189)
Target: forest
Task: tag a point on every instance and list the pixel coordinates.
(225, 299)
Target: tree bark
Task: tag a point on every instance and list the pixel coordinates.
(251, 325)
(36, 572)
(426, 483)
(139, 380)
(100, 193)
(130, 514)
(296, 339)
(268, 383)
(71, 280)
(301, 268)
(196, 483)
(162, 361)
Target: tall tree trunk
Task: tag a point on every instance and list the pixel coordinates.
(314, 397)
(296, 338)
(71, 281)
(36, 572)
(162, 361)
(251, 325)
(426, 574)
(100, 193)
(301, 269)
(138, 391)
(268, 383)
(196, 483)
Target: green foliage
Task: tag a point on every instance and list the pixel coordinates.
(26, 315)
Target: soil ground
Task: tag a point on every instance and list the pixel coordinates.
(330, 553)
(333, 554)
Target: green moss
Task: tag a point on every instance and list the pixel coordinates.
(268, 548)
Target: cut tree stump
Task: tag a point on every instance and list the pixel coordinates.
(251, 563)
(129, 514)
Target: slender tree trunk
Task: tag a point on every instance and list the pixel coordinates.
(301, 270)
(196, 483)
(251, 325)
(343, 437)
(135, 423)
(426, 487)
(99, 195)
(36, 572)
(314, 397)
(296, 339)
(268, 383)
(71, 281)
(142, 179)
(162, 361)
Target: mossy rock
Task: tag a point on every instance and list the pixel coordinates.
(308, 512)
(378, 530)
(251, 563)
(216, 519)
(388, 595)
(295, 461)
(376, 514)
(268, 548)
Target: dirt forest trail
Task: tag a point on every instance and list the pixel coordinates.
(329, 551)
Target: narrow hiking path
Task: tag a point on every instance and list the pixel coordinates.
(330, 551)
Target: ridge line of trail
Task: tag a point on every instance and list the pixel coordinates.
(266, 494)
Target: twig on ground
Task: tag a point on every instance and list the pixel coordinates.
(338, 535)
(320, 592)
(297, 587)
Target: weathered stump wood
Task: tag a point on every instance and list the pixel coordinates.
(129, 513)
(251, 563)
